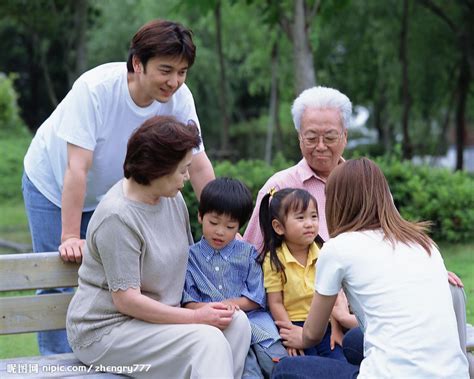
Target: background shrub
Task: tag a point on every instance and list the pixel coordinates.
(14, 141)
(435, 194)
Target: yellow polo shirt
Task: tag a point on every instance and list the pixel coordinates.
(299, 287)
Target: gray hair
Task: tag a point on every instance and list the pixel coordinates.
(321, 97)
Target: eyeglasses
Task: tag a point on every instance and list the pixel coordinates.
(310, 141)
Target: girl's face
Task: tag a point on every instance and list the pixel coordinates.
(300, 227)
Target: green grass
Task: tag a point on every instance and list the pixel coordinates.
(458, 258)
(18, 345)
(14, 224)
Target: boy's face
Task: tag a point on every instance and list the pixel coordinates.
(218, 229)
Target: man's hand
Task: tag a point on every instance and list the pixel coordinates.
(71, 250)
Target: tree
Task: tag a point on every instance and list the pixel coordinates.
(53, 35)
(459, 20)
(405, 92)
(297, 26)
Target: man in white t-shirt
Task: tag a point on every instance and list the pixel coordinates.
(77, 154)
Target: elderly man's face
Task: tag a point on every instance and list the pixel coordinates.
(322, 139)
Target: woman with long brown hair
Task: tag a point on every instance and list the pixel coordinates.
(395, 280)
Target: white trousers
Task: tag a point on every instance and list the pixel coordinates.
(144, 350)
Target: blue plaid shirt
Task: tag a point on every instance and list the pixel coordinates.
(229, 273)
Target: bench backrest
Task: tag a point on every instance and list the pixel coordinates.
(31, 271)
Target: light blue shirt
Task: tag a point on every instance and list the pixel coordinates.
(232, 272)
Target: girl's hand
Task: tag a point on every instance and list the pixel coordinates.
(292, 335)
(215, 314)
(336, 334)
(294, 352)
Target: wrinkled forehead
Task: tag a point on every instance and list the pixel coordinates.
(321, 120)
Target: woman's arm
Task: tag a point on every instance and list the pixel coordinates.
(134, 304)
(317, 321)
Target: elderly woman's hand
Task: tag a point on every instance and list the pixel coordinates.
(215, 314)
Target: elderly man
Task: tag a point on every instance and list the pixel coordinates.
(321, 116)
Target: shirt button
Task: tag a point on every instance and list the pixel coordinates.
(220, 287)
(217, 268)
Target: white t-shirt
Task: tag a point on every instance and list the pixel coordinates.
(97, 114)
(402, 300)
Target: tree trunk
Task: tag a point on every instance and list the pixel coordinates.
(463, 89)
(405, 92)
(224, 146)
(80, 21)
(42, 49)
(305, 76)
(273, 109)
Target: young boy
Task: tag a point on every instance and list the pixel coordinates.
(224, 269)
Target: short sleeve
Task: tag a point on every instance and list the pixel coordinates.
(186, 111)
(272, 280)
(79, 124)
(191, 292)
(254, 289)
(119, 249)
(329, 271)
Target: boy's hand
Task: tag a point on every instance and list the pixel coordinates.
(231, 306)
(215, 314)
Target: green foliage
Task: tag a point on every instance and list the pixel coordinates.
(14, 140)
(13, 150)
(10, 121)
(434, 194)
(254, 173)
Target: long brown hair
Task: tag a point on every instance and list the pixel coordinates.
(358, 198)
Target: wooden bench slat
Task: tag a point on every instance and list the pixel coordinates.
(23, 314)
(36, 271)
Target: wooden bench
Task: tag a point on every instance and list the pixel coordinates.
(31, 313)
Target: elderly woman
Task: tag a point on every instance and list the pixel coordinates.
(395, 280)
(125, 315)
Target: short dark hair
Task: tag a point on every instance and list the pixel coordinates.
(227, 196)
(161, 38)
(157, 146)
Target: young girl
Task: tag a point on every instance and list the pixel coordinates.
(289, 223)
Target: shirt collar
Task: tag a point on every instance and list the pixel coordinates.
(313, 254)
(208, 251)
(305, 172)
